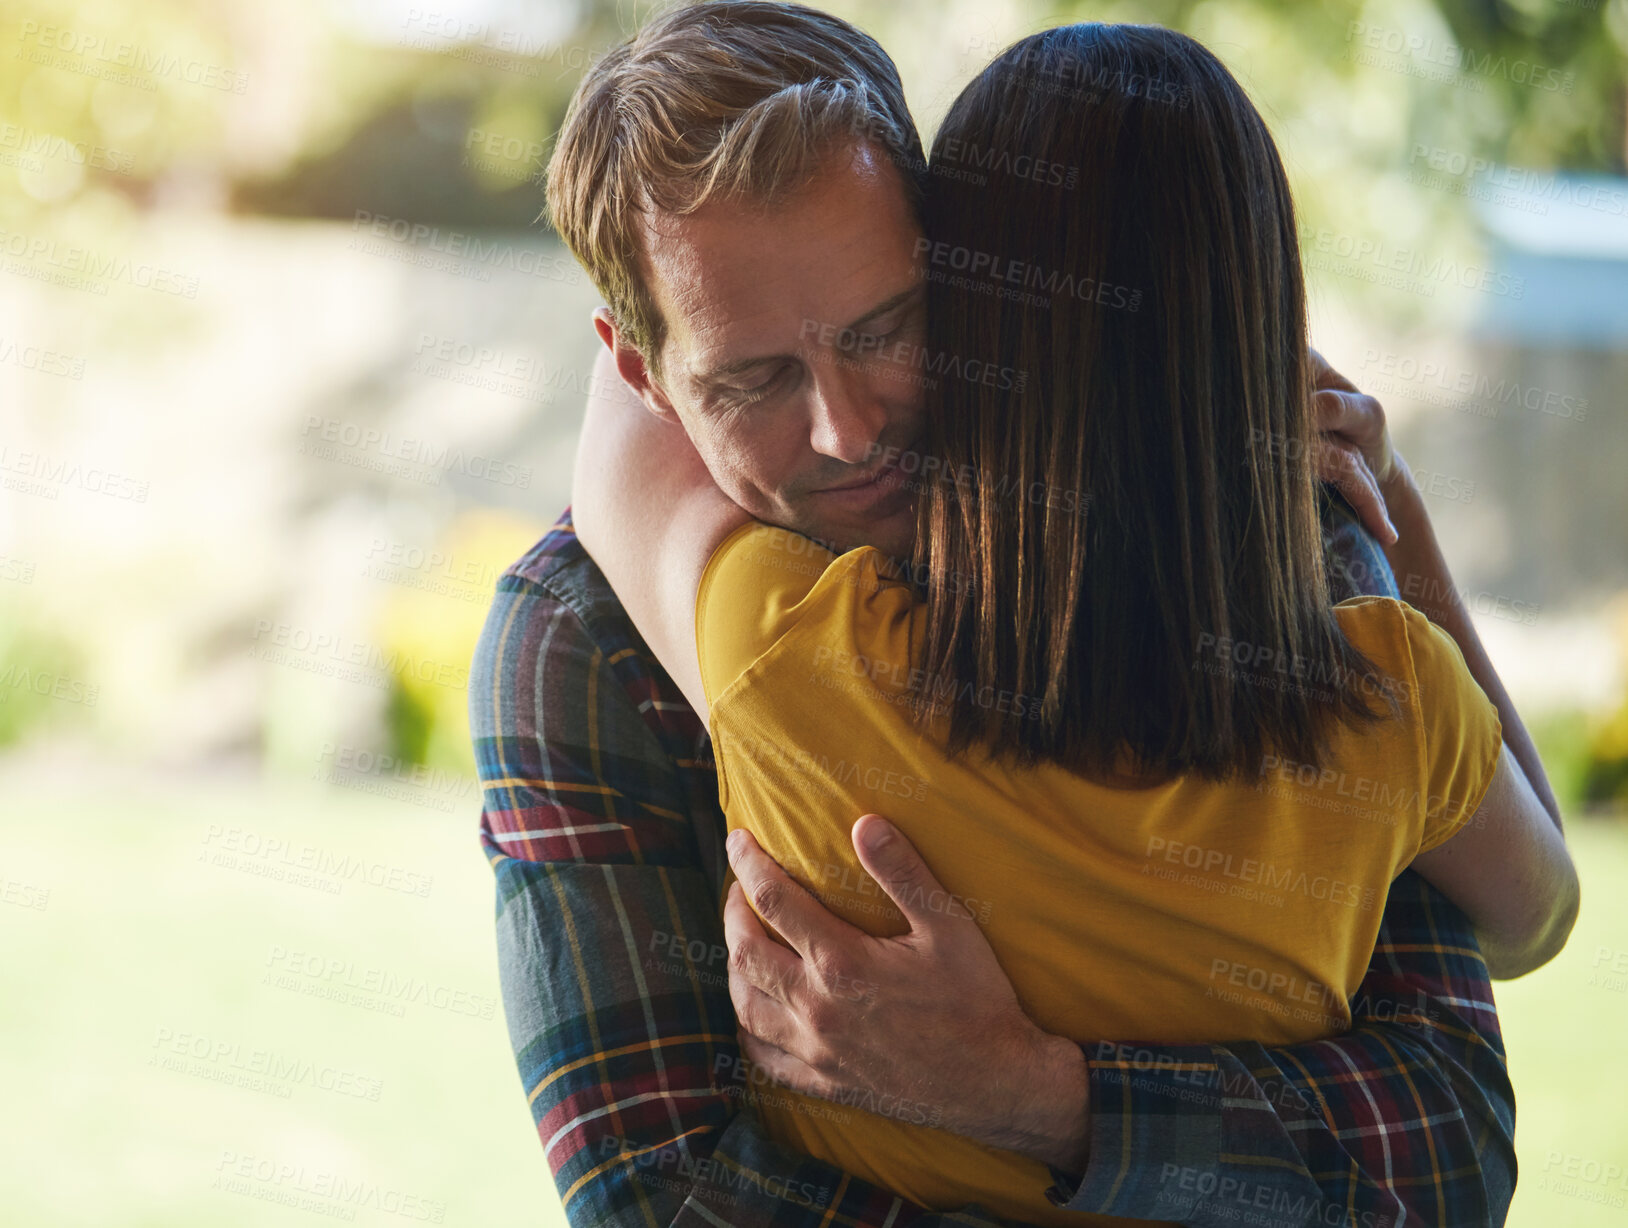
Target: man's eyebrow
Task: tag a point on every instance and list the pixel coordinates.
(902, 297)
(746, 364)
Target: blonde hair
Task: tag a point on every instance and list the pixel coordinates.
(727, 99)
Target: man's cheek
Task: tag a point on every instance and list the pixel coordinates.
(743, 466)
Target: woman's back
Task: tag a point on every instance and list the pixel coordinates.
(1190, 911)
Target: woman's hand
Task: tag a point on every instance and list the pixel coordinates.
(1353, 451)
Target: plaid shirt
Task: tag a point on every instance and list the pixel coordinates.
(601, 822)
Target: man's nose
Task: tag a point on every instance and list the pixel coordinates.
(848, 417)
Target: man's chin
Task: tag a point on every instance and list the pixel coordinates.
(892, 534)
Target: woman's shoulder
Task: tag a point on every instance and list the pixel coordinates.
(780, 570)
(1378, 628)
(1456, 727)
(1390, 631)
(765, 555)
(764, 585)
(1420, 662)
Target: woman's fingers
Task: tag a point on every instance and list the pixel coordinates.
(1325, 376)
(1356, 418)
(1344, 466)
(1355, 449)
(1355, 415)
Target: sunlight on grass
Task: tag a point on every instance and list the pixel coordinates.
(173, 1028)
(1563, 1029)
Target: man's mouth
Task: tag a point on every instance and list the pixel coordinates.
(874, 493)
(873, 479)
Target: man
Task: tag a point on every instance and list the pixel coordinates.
(734, 320)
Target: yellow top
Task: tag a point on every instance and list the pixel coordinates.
(1182, 913)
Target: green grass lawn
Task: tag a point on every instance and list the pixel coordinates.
(156, 1076)
(174, 1052)
(1566, 1032)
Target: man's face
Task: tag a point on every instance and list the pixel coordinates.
(793, 349)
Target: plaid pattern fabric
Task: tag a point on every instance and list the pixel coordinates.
(602, 825)
(1356, 564)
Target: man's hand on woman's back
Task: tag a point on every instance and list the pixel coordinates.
(835, 1011)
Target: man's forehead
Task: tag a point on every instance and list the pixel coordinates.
(749, 260)
(727, 301)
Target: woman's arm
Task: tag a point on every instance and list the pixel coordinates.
(1424, 583)
(1422, 578)
(1509, 870)
(1508, 867)
(647, 510)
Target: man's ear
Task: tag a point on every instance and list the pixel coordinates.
(630, 365)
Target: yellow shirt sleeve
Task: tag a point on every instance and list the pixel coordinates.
(767, 590)
(749, 598)
(1459, 729)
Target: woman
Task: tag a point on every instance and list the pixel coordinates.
(1116, 650)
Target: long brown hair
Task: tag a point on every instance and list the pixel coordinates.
(1107, 214)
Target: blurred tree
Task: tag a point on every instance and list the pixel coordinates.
(431, 635)
(299, 114)
(1605, 778)
(42, 678)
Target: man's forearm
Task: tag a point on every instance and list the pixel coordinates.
(1423, 579)
(1202, 1133)
(654, 1124)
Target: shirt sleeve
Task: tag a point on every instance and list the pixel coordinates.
(755, 587)
(1460, 734)
(1407, 1118)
